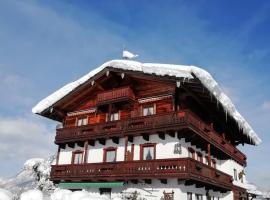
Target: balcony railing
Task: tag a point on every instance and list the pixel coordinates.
(183, 168)
(150, 124)
(115, 95)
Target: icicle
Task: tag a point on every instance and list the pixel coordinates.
(217, 104)
(226, 113)
(203, 89)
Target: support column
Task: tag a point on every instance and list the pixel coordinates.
(209, 153)
(58, 154)
(85, 151)
(126, 144)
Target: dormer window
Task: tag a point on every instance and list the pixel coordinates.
(82, 121)
(148, 110)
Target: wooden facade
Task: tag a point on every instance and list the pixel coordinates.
(116, 106)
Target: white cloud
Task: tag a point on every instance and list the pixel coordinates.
(23, 138)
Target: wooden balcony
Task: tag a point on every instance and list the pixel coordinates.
(115, 95)
(154, 124)
(183, 169)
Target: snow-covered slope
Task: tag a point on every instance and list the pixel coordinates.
(178, 71)
(34, 175)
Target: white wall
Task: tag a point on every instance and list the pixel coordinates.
(65, 155)
(164, 150)
(95, 153)
(228, 167)
(154, 191)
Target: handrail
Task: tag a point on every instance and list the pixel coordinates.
(115, 94)
(152, 122)
(159, 168)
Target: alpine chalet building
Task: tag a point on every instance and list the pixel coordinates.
(154, 131)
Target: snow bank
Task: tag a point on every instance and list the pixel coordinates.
(178, 71)
(29, 164)
(5, 195)
(63, 194)
(32, 195)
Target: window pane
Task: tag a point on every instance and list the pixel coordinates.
(85, 121)
(148, 111)
(78, 158)
(148, 153)
(114, 116)
(110, 156)
(82, 121)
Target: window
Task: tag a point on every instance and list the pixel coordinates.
(189, 196)
(235, 174)
(82, 121)
(198, 197)
(191, 153)
(148, 151)
(109, 154)
(148, 110)
(77, 157)
(114, 116)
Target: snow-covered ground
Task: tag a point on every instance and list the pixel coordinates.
(33, 183)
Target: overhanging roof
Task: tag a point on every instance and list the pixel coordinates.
(176, 71)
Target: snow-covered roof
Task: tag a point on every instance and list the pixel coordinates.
(178, 71)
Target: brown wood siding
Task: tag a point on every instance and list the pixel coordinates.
(164, 106)
(70, 121)
(86, 105)
(154, 89)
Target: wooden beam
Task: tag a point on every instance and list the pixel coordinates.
(145, 137)
(92, 142)
(163, 181)
(161, 135)
(102, 141)
(209, 153)
(71, 144)
(130, 138)
(85, 151)
(58, 154)
(115, 140)
(148, 181)
(126, 144)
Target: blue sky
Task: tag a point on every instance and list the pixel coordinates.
(46, 44)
